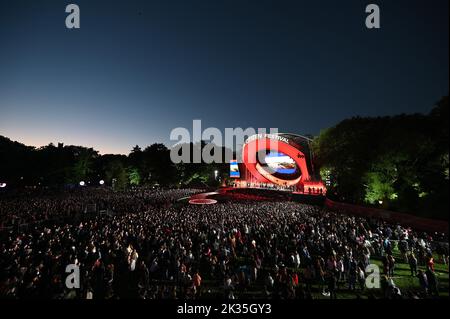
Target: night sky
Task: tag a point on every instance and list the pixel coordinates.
(137, 69)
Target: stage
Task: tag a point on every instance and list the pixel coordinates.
(257, 194)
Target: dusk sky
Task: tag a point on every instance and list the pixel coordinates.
(137, 69)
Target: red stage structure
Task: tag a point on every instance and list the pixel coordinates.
(281, 161)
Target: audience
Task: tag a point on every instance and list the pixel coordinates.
(153, 247)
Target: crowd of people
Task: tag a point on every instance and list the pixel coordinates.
(153, 248)
(42, 205)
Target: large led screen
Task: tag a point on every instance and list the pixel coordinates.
(234, 169)
(280, 163)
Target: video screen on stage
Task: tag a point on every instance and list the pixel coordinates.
(280, 163)
(234, 169)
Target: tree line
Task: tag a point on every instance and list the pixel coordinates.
(395, 162)
(67, 165)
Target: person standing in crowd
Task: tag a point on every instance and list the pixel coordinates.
(432, 282)
(430, 262)
(197, 282)
(390, 265)
(412, 260)
(423, 281)
(332, 284)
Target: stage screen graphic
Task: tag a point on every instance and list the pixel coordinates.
(280, 163)
(234, 169)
